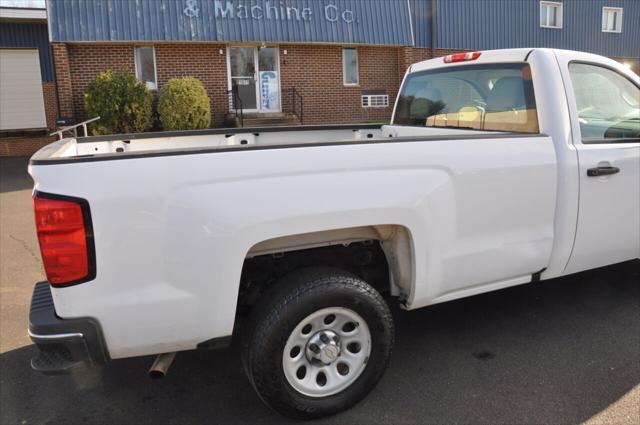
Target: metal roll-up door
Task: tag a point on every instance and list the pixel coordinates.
(21, 98)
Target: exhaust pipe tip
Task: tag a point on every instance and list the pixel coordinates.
(160, 366)
(157, 374)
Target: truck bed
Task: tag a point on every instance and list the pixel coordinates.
(137, 145)
(123, 144)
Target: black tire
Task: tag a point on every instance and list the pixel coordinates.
(284, 306)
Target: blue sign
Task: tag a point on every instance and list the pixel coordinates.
(380, 22)
(269, 91)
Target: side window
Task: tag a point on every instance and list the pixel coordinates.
(496, 97)
(608, 103)
(350, 67)
(146, 66)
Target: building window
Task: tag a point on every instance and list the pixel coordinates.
(611, 19)
(146, 66)
(550, 14)
(350, 67)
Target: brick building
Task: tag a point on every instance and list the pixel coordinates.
(310, 61)
(316, 61)
(313, 71)
(298, 61)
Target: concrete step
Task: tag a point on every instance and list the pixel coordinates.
(269, 120)
(266, 115)
(266, 123)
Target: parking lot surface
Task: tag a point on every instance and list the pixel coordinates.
(561, 351)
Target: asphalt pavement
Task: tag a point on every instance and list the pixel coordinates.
(560, 351)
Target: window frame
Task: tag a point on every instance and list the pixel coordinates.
(606, 9)
(344, 68)
(155, 66)
(560, 17)
(602, 141)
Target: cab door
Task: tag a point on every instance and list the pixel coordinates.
(604, 103)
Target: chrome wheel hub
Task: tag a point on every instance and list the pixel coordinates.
(324, 347)
(326, 352)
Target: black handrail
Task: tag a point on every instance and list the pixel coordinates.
(293, 104)
(235, 105)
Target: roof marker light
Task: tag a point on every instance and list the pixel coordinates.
(462, 57)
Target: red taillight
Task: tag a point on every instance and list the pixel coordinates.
(65, 245)
(462, 57)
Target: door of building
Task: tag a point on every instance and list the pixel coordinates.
(21, 97)
(254, 73)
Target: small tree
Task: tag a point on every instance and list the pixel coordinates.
(122, 103)
(184, 105)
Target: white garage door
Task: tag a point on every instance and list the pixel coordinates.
(21, 99)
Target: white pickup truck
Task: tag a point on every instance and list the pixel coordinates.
(499, 168)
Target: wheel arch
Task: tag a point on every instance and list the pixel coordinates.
(396, 242)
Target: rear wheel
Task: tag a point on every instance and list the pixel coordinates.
(318, 344)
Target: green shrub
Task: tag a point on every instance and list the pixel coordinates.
(122, 103)
(184, 105)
